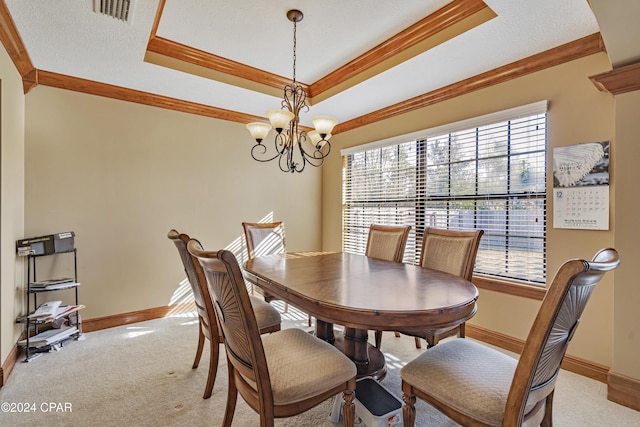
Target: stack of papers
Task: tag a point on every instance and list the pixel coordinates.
(45, 314)
(47, 309)
(49, 337)
(52, 284)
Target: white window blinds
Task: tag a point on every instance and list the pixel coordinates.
(490, 176)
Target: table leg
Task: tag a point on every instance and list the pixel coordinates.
(368, 359)
(324, 331)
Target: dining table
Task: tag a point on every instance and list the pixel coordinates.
(362, 293)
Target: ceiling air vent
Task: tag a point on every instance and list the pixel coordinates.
(118, 9)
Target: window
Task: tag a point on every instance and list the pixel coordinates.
(487, 173)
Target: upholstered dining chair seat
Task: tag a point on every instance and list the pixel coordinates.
(267, 316)
(329, 366)
(472, 378)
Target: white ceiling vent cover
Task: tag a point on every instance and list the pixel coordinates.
(118, 9)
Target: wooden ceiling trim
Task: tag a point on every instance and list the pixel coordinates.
(403, 45)
(619, 80)
(156, 20)
(15, 48)
(61, 81)
(585, 46)
(436, 27)
(177, 56)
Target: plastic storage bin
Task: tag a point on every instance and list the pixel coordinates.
(375, 405)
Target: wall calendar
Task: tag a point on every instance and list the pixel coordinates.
(581, 186)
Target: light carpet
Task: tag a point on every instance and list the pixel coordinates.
(140, 375)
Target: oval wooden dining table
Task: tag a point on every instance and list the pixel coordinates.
(361, 294)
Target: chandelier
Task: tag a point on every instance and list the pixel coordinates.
(294, 148)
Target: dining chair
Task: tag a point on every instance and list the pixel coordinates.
(386, 242)
(278, 375)
(451, 251)
(266, 238)
(268, 317)
(475, 385)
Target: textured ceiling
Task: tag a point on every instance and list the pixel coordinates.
(68, 37)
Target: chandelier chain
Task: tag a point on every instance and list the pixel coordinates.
(294, 51)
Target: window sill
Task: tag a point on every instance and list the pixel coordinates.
(510, 287)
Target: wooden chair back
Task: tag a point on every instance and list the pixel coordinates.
(387, 242)
(264, 238)
(290, 351)
(243, 345)
(451, 251)
(207, 323)
(195, 275)
(537, 370)
(476, 385)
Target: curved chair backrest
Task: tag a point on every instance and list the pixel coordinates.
(387, 242)
(236, 319)
(451, 251)
(553, 328)
(198, 283)
(264, 238)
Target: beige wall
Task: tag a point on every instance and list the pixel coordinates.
(577, 113)
(121, 175)
(626, 302)
(11, 201)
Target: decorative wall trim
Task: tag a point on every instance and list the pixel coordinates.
(623, 390)
(453, 19)
(13, 42)
(98, 323)
(31, 77)
(449, 21)
(585, 46)
(61, 81)
(619, 80)
(574, 364)
(170, 54)
(7, 366)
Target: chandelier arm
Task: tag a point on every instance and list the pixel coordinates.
(256, 148)
(315, 159)
(280, 139)
(318, 153)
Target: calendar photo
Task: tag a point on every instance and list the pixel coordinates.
(581, 186)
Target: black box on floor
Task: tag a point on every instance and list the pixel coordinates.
(375, 405)
(46, 245)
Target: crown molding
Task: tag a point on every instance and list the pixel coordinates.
(31, 77)
(451, 20)
(91, 87)
(619, 80)
(15, 48)
(585, 46)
